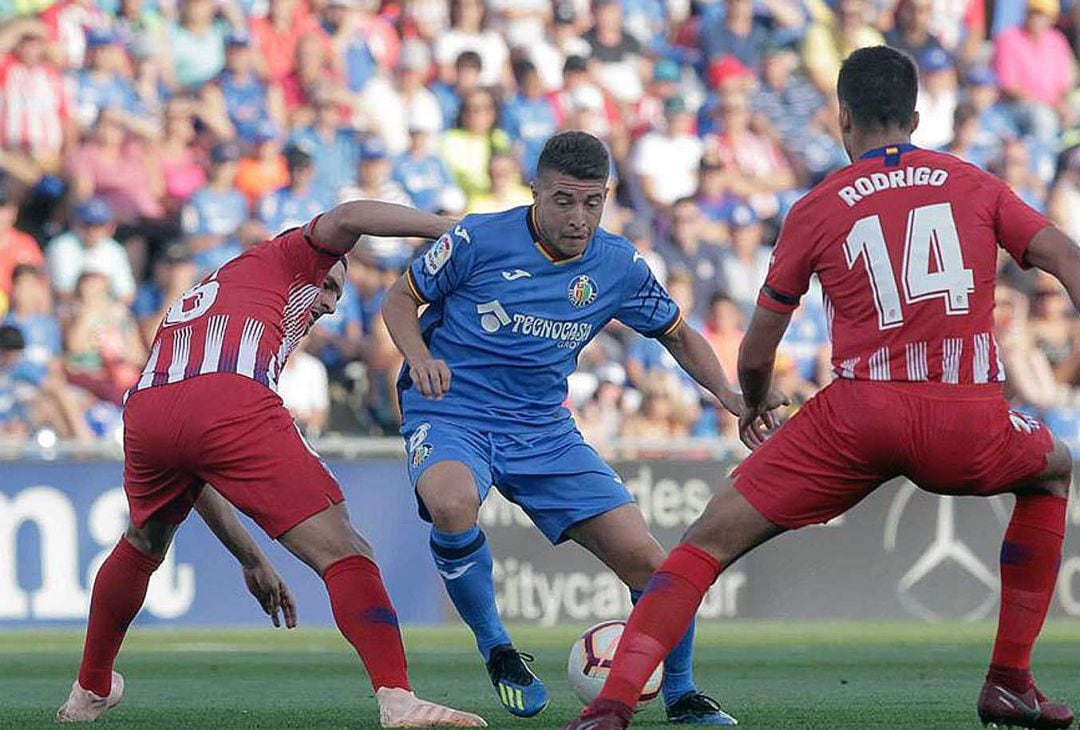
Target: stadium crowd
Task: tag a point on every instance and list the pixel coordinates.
(144, 143)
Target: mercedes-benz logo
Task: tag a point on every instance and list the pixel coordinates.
(946, 546)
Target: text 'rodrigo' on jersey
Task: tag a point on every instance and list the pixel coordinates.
(246, 317)
(510, 320)
(905, 243)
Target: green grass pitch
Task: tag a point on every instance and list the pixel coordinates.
(769, 675)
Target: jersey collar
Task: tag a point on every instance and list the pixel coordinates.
(891, 153)
(549, 254)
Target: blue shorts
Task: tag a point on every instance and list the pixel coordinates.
(557, 478)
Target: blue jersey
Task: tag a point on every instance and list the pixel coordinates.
(510, 321)
(531, 122)
(423, 178)
(214, 212)
(245, 102)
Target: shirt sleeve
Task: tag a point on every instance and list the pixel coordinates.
(790, 267)
(306, 256)
(444, 267)
(1015, 223)
(647, 307)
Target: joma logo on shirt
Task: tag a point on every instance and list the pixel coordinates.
(567, 335)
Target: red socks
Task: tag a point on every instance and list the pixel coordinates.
(659, 620)
(1030, 557)
(119, 592)
(367, 619)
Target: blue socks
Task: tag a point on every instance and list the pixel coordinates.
(678, 667)
(464, 562)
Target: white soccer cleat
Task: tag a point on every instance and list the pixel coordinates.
(401, 708)
(84, 706)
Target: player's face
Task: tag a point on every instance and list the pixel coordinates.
(332, 287)
(568, 210)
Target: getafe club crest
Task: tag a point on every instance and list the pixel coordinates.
(439, 253)
(582, 291)
(418, 450)
(419, 435)
(420, 453)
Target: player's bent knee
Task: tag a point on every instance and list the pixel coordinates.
(1057, 476)
(448, 491)
(151, 539)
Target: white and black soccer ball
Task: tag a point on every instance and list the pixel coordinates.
(590, 661)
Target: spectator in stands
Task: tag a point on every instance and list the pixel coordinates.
(648, 113)
(16, 248)
(764, 178)
(724, 329)
(18, 386)
(121, 167)
(32, 312)
(196, 44)
(1063, 205)
(966, 139)
(937, 99)
(995, 121)
(1035, 68)
(685, 249)
(469, 31)
(528, 117)
(265, 169)
(104, 83)
(615, 55)
(139, 24)
(312, 72)
(468, 147)
(180, 154)
(735, 33)
(507, 188)
(416, 100)
(420, 170)
(912, 32)
(786, 98)
(238, 93)
(665, 413)
(746, 262)
(667, 161)
(333, 145)
(806, 346)
(90, 246)
(829, 42)
(35, 118)
(278, 34)
(299, 201)
(374, 177)
(1057, 329)
(1014, 167)
(715, 199)
(215, 212)
(305, 390)
(455, 83)
(1030, 376)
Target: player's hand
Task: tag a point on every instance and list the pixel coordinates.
(271, 593)
(732, 402)
(754, 425)
(774, 401)
(432, 377)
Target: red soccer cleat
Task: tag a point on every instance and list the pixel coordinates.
(603, 715)
(1001, 706)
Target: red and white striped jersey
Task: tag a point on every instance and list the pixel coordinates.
(246, 317)
(905, 243)
(33, 108)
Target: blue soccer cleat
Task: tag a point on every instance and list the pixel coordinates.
(520, 691)
(695, 708)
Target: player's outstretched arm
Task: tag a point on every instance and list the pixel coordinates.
(757, 356)
(1057, 254)
(341, 226)
(696, 357)
(399, 311)
(261, 578)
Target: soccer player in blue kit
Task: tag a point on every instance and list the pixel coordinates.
(511, 299)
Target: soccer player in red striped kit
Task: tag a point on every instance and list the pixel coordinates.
(205, 411)
(905, 244)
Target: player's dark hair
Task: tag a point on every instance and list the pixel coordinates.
(11, 339)
(879, 85)
(575, 154)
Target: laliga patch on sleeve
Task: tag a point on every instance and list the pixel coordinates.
(438, 255)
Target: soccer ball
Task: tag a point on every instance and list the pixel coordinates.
(590, 661)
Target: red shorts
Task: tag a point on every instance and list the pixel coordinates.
(227, 431)
(854, 435)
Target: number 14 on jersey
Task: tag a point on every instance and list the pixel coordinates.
(933, 265)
